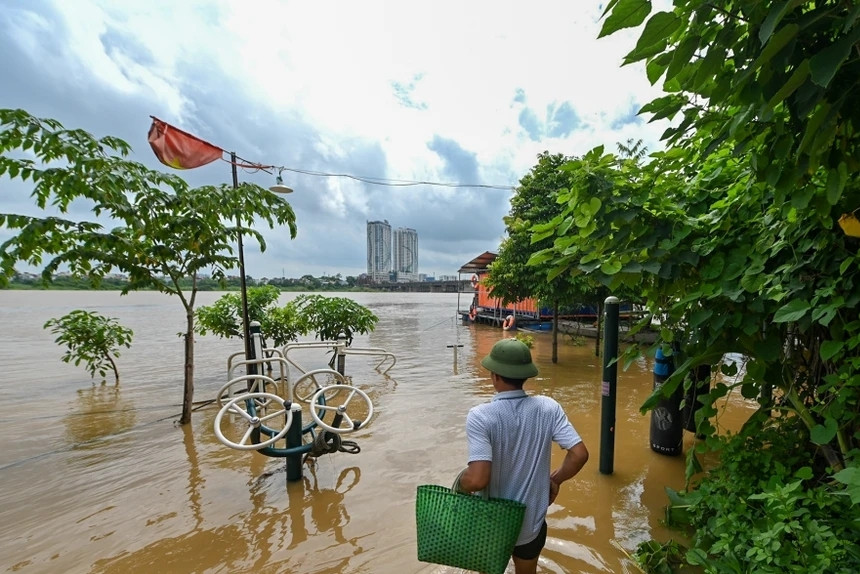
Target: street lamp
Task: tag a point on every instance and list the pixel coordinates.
(279, 187)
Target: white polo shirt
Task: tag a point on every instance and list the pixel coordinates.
(515, 432)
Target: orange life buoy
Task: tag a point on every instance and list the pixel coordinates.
(509, 323)
(473, 313)
(474, 281)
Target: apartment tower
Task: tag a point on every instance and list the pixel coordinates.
(378, 251)
(405, 254)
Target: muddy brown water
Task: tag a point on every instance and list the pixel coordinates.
(99, 479)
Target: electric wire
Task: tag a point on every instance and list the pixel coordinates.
(252, 167)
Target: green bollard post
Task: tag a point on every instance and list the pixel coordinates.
(610, 378)
(341, 355)
(294, 440)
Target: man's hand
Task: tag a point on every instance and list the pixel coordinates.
(553, 490)
(476, 476)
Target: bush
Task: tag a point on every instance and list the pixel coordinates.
(326, 317)
(91, 339)
(766, 510)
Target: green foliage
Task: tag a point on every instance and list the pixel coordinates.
(762, 507)
(166, 233)
(326, 317)
(535, 200)
(528, 340)
(224, 317)
(575, 340)
(202, 283)
(91, 339)
(330, 317)
(729, 237)
(655, 558)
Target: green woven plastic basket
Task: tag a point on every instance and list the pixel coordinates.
(464, 530)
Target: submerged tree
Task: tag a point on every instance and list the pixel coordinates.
(91, 339)
(166, 232)
(327, 318)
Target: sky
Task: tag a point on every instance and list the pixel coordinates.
(453, 92)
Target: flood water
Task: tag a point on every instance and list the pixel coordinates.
(97, 478)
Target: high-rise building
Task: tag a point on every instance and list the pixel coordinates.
(405, 254)
(378, 251)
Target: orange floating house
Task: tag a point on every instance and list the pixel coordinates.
(482, 307)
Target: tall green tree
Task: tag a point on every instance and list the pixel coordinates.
(766, 108)
(510, 277)
(165, 231)
(730, 235)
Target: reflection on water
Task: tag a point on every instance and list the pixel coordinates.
(100, 479)
(99, 412)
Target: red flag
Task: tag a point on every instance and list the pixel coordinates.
(178, 149)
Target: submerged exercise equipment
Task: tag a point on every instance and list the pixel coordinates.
(265, 410)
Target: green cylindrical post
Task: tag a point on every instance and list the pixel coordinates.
(294, 440)
(341, 355)
(610, 378)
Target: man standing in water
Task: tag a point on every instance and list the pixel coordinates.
(510, 441)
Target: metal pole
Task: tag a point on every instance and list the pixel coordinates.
(610, 378)
(246, 322)
(294, 441)
(341, 355)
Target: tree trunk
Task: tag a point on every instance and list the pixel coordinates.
(115, 370)
(188, 395)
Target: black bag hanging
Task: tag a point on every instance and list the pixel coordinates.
(667, 429)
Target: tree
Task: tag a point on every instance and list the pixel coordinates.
(632, 149)
(510, 277)
(765, 143)
(224, 317)
(332, 317)
(167, 233)
(326, 317)
(91, 339)
(730, 235)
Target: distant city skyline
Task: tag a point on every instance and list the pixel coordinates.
(422, 113)
(391, 256)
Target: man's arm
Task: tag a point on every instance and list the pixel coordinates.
(476, 476)
(573, 462)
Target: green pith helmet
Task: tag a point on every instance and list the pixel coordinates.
(511, 359)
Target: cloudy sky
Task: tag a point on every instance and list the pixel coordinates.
(443, 91)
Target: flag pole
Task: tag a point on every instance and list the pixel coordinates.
(246, 323)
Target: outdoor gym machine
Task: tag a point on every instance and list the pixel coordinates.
(268, 408)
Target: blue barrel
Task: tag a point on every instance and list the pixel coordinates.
(667, 428)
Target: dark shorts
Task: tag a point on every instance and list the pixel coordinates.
(531, 550)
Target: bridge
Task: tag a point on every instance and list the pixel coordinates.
(449, 286)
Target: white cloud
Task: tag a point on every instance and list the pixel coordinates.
(401, 90)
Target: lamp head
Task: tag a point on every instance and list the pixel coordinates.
(279, 186)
